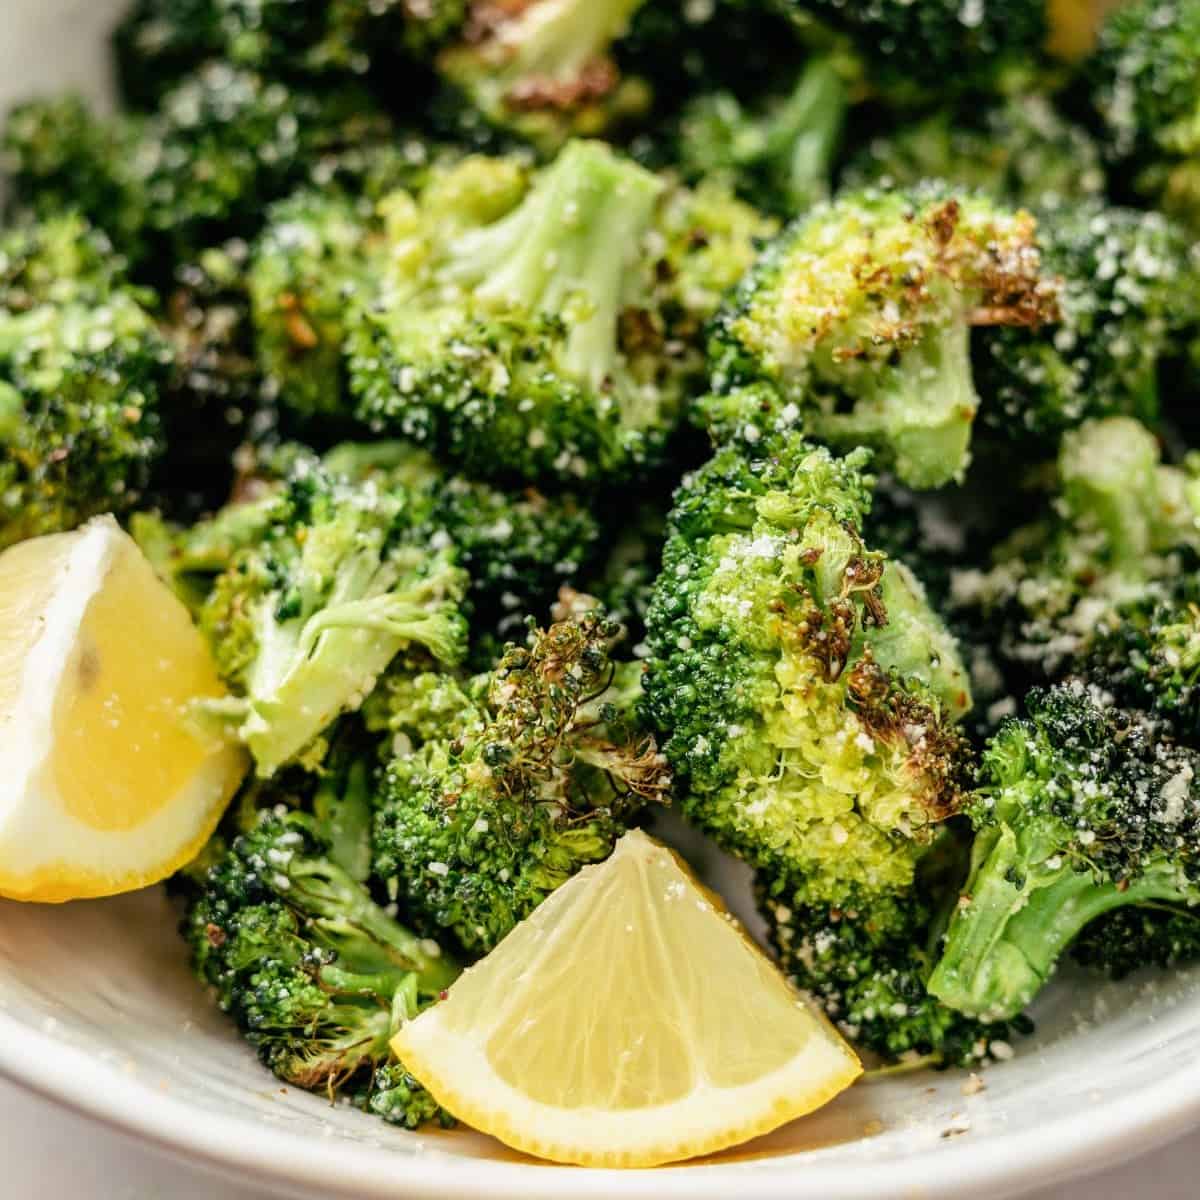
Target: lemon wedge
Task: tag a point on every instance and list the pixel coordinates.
(628, 1022)
(108, 785)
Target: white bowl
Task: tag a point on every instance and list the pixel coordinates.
(99, 1012)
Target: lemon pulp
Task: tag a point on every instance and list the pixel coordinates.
(627, 1022)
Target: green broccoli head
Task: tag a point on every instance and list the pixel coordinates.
(519, 547)
(1082, 808)
(307, 260)
(1129, 302)
(806, 693)
(80, 388)
(317, 976)
(223, 144)
(808, 698)
(161, 40)
(544, 70)
(543, 326)
(866, 963)
(305, 618)
(921, 48)
(528, 783)
(1128, 939)
(1145, 88)
(1021, 150)
(1122, 528)
(859, 317)
(780, 158)
(54, 261)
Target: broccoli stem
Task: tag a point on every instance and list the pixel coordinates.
(922, 408)
(353, 924)
(804, 133)
(1003, 944)
(561, 39)
(566, 251)
(308, 672)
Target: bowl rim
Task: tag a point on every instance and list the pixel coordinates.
(1118, 1127)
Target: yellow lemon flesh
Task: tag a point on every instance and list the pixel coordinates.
(108, 782)
(628, 1022)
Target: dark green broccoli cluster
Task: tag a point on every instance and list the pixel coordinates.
(317, 975)
(1082, 808)
(499, 796)
(303, 40)
(1144, 87)
(1021, 150)
(82, 374)
(1128, 306)
(222, 144)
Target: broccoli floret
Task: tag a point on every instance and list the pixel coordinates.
(303, 620)
(1129, 302)
(309, 258)
(544, 70)
(1128, 939)
(780, 158)
(55, 261)
(476, 826)
(808, 697)
(223, 145)
(537, 328)
(215, 396)
(798, 679)
(858, 317)
(80, 388)
(1145, 87)
(1020, 151)
(161, 40)
(1123, 526)
(623, 583)
(317, 976)
(867, 963)
(1082, 808)
(518, 547)
(918, 48)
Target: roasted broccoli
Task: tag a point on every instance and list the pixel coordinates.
(1128, 306)
(307, 260)
(82, 373)
(807, 698)
(1122, 532)
(543, 326)
(543, 70)
(317, 976)
(917, 48)
(500, 795)
(781, 158)
(160, 40)
(1082, 808)
(1021, 150)
(223, 144)
(306, 616)
(859, 316)
(1125, 939)
(1146, 89)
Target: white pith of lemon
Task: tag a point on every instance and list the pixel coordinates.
(628, 1022)
(106, 781)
